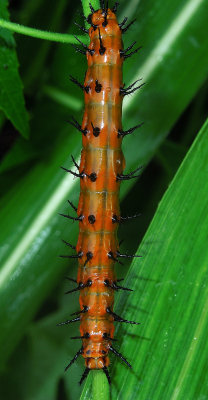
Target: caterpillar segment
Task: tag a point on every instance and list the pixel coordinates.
(100, 172)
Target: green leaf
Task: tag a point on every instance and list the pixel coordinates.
(169, 351)
(11, 92)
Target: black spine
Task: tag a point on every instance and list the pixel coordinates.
(72, 205)
(128, 26)
(69, 321)
(105, 370)
(122, 133)
(120, 356)
(74, 359)
(84, 375)
(117, 318)
(130, 89)
(80, 218)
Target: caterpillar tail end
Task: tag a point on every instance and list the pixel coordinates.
(97, 363)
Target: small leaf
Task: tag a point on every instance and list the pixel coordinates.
(11, 89)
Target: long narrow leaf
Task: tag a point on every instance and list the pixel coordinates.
(169, 351)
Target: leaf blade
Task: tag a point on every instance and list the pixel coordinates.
(11, 94)
(176, 323)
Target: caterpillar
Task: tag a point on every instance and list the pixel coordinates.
(101, 173)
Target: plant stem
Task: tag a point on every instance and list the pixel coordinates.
(100, 386)
(37, 33)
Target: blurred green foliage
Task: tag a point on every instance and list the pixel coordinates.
(173, 105)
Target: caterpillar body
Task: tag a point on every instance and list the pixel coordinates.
(101, 172)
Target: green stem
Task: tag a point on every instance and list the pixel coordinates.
(100, 386)
(37, 33)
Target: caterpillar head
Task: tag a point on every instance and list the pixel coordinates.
(102, 18)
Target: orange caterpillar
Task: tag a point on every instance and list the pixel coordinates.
(100, 173)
